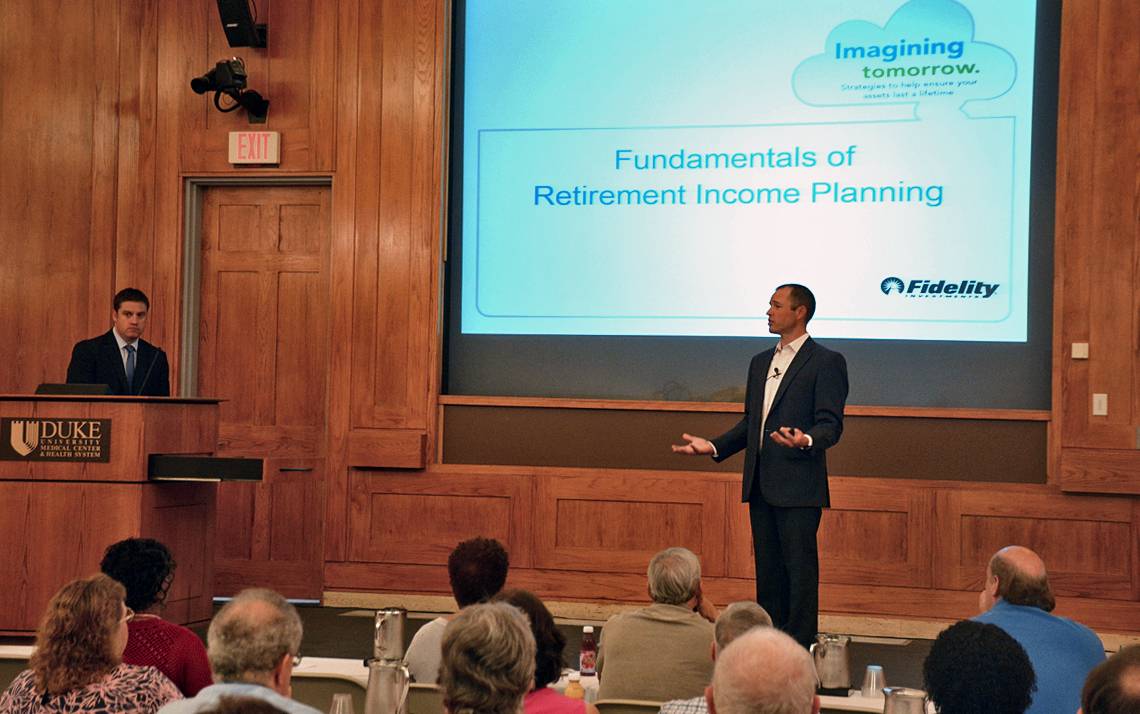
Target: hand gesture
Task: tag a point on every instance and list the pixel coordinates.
(790, 437)
(696, 446)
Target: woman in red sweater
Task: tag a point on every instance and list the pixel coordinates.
(145, 567)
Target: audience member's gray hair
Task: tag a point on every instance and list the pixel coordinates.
(738, 618)
(488, 660)
(250, 634)
(764, 671)
(674, 576)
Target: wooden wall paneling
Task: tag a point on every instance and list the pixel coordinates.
(738, 535)
(1101, 471)
(1086, 542)
(72, 525)
(418, 518)
(52, 210)
(173, 513)
(1112, 223)
(134, 251)
(342, 292)
(392, 448)
(616, 521)
(878, 534)
(365, 164)
(1076, 124)
(394, 267)
(269, 534)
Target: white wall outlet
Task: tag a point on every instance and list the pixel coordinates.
(1080, 350)
(1100, 405)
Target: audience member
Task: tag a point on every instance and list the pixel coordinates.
(242, 705)
(549, 643)
(660, 652)
(488, 658)
(145, 567)
(77, 663)
(1113, 686)
(477, 570)
(977, 667)
(1017, 598)
(253, 644)
(734, 621)
(763, 671)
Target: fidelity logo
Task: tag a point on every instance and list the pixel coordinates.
(55, 439)
(925, 288)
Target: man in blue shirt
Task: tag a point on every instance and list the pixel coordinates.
(1017, 598)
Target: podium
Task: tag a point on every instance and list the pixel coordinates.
(75, 478)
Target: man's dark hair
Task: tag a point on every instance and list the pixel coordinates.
(477, 570)
(978, 667)
(548, 639)
(130, 295)
(1018, 588)
(801, 296)
(144, 567)
(1113, 686)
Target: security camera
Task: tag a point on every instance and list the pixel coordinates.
(228, 78)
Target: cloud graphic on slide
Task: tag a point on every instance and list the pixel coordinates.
(925, 54)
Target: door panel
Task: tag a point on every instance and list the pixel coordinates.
(263, 346)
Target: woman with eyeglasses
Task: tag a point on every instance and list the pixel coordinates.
(77, 663)
(145, 567)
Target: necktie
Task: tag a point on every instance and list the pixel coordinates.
(130, 366)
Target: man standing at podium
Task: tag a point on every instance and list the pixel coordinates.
(120, 358)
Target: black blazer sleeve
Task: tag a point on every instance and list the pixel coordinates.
(81, 369)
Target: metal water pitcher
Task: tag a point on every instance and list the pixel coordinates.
(832, 660)
(388, 684)
(388, 678)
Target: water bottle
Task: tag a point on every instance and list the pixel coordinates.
(588, 659)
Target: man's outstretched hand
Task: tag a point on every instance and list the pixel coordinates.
(696, 446)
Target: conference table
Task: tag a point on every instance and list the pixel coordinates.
(353, 671)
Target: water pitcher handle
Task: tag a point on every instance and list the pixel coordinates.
(407, 687)
(811, 649)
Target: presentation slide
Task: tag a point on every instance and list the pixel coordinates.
(637, 167)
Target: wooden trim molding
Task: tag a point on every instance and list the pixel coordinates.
(736, 407)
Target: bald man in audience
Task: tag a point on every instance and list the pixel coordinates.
(1017, 598)
(763, 671)
(1113, 687)
(734, 621)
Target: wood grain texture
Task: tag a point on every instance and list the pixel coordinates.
(419, 518)
(1100, 471)
(617, 521)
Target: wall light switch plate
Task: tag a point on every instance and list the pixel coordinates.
(1080, 350)
(1100, 405)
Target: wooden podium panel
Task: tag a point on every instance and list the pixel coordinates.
(59, 516)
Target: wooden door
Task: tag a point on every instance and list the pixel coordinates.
(263, 347)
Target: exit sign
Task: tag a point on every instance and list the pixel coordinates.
(255, 147)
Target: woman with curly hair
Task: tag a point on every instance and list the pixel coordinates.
(145, 567)
(77, 663)
(549, 643)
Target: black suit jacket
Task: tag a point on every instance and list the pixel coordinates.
(98, 361)
(811, 397)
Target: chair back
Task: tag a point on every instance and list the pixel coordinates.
(317, 691)
(425, 699)
(627, 706)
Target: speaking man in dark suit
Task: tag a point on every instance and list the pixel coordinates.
(793, 413)
(120, 358)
